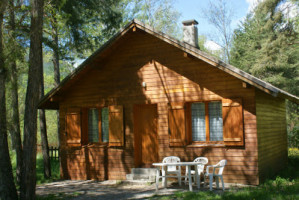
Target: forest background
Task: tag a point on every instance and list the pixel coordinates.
(265, 44)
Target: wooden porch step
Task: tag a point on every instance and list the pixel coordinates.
(145, 174)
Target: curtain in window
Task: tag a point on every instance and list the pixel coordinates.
(215, 120)
(198, 122)
(93, 125)
(105, 124)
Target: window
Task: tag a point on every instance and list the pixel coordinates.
(206, 120)
(98, 125)
(105, 124)
(93, 125)
(198, 122)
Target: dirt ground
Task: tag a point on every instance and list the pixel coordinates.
(107, 190)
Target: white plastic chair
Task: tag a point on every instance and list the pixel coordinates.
(220, 167)
(202, 161)
(172, 169)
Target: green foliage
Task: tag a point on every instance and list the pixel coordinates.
(40, 170)
(55, 167)
(160, 14)
(82, 25)
(266, 46)
(293, 137)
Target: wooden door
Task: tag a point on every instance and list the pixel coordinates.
(145, 135)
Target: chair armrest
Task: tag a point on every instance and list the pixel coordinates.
(210, 166)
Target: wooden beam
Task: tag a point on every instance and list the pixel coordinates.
(245, 85)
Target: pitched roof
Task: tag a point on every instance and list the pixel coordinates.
(47, 101)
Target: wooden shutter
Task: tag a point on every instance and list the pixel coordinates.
(176, 123)
(73, 127)
(116, 126)
(232, 114)
(84, 125)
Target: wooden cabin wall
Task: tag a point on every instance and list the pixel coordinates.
(272, 134)
(170, 76)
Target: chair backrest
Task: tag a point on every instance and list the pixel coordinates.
(202, 162)
(221, 165)
(171, 159)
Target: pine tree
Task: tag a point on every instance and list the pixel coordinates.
(266, 45)
(7, 186)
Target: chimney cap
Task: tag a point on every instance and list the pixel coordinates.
(190, 22)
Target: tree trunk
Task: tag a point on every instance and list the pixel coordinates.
(31, 101)
(43, 133)
(7, 186)
(15, 128)
(56, 64)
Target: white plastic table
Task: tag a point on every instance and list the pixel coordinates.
(186, 164)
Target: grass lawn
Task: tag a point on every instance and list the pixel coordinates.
(55, 171)
(283, 186)
(40, 169)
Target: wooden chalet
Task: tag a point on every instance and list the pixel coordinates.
(144, 95)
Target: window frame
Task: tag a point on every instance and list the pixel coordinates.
(207, 123)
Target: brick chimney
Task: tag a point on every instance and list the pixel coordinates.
(190, 33)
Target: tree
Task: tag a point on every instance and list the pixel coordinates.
(13, 54)
(159, 14)
(43, 132)
(31, 101)
(266, 45)
(7, 186)
(220, 15)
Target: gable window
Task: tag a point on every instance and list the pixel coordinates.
(206, 120)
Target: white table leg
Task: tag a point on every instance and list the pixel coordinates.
(197, 177)
(157, 178)
(189, 176)
(164, 176)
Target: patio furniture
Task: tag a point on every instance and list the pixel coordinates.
(172, 169)
(201, 162)
(165, 166)
(219, 167)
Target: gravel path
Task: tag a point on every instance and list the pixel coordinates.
(107, 190)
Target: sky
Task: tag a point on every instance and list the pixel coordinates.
(191, 9)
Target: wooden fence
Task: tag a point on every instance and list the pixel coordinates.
(54, 153)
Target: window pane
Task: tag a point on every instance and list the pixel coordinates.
(105, 124)
(93, 125)
(215, 120)
(198, 122)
